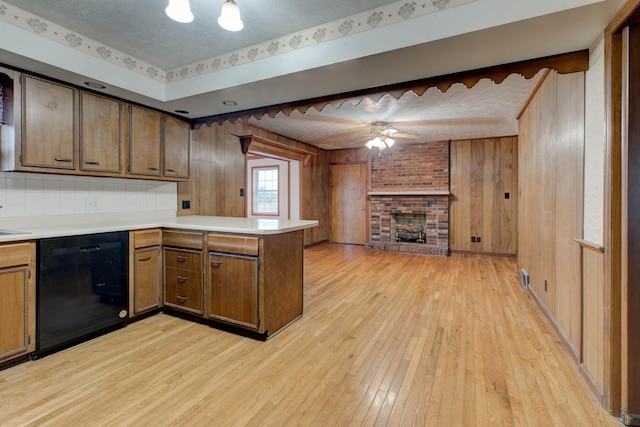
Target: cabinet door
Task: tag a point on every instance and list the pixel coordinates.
(100, 134)
(49, 131)
(233, 289)
(176, 148)
(14, 331)
(147, 282)
(145, 141)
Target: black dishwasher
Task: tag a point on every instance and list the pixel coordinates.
(82, 289)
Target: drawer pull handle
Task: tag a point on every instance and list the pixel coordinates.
(182, 299)
(63, 159)
(181, 258)
(216, 263)
(89, 162)
(153, 168)
(171, 170)
(146, 258)
(182, 279)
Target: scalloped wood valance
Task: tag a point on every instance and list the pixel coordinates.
(563, 64)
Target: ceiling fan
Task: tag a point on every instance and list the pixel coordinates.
(384, 136)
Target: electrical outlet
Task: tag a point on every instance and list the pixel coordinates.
(91, 204)
(186, 204)
(473, 239)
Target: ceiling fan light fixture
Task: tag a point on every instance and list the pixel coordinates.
(389, 142)
(230, 17)
(179, 10)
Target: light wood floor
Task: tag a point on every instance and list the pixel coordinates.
(386, 339)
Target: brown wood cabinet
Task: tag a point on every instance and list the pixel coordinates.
(17, 300)
(49, 124)
(255, 282)
(145, 141)
(232, 295)
(176, 147)
(101, 133)
(145, 270)
(55, 128)
(183, 270)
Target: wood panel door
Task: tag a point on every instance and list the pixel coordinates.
(233, 289)
(49, 133)
(176, 147)
(349, 203)
(100, 134)
(145, 141)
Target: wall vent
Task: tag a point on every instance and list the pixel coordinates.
(524, 278)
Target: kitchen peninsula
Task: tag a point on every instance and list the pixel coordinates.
(240, 274)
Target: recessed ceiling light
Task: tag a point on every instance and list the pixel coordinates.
(229, 103)
(95, 85)
(181, 111)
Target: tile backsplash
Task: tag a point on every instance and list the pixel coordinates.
(32, 194)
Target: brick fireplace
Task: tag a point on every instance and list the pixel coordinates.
(410, 188)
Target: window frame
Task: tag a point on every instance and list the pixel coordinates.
(255, 190)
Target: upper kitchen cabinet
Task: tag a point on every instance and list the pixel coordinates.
(145, 141)
(56, 128)
(101, 134)
(49, 124)
(176, 147)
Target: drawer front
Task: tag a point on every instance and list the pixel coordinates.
(183, 298)
(146, 238)
(183, 279)
(183, 239)
(185, 260)
(14, 254)
(243, 245)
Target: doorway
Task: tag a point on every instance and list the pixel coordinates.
(349, 203)
(273, 187)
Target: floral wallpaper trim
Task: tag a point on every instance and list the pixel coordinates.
(387, 15)
(52, 31)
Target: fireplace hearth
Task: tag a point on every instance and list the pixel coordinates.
(413, 223)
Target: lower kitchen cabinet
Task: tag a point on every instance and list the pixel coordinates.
(145, 259)
(233, 289)
(252, 283)
(183, 271)
(255, 282)
(17, 300)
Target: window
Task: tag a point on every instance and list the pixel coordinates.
(265, 190)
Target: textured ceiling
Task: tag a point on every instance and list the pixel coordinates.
(141, 28)
(486, 110)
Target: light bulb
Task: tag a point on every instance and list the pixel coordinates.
(179, 10)
(230, 17)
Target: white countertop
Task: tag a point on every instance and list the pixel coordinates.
(45, 227)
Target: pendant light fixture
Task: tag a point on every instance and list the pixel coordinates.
(179, 10)
(230, 17)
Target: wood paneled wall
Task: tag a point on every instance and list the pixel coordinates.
(593, 323)
(218, 174)
(551, 166)
(483, 171)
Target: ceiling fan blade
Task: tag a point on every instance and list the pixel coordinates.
(404, 135)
